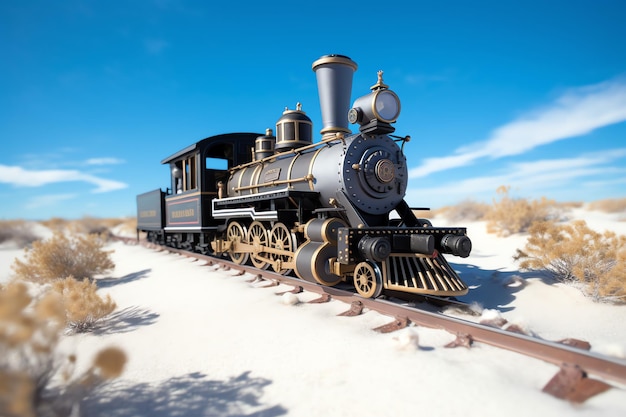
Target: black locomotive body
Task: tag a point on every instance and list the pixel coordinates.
(323, 211)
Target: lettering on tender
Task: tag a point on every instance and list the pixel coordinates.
(147, 213)
(177, 214)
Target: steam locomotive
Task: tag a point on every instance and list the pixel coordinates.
(329, 211)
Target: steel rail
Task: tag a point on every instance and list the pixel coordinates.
(552, 352)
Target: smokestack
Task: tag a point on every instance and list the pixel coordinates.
(334, 85)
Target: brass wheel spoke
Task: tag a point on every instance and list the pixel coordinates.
(367, 279)
(236, 233)
(257, 236)
(281, 238)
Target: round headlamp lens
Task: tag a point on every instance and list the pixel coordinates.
(387, 106)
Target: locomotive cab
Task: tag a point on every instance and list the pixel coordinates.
(201, 166)
(195, 172)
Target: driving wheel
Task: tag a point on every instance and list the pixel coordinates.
(236, 233)
(257, 237)
(282, 239)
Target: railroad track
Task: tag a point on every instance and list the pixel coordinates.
(576, 381)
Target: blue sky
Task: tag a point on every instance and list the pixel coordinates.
(94, 94)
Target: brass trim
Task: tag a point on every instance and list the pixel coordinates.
(240, 179)
(277, 182)
(324, 141)
(333, 129)
(313, 158)
(375, 112)
(291, 165)
(256, 174)
(411, 290)
(379, 84)
(421, 275)
(334, 59)
(314, 270)
(174, 197)
(327, 225)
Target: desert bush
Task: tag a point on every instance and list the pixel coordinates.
(90, 225)
(19, 231)
(467, 210)
(514, 215)
(610, 205)
(575, 253)
(28, 336)
(30, 329)
(81, 256)
(84, 308)
(567, 205)
(128, 224)
(56, 224)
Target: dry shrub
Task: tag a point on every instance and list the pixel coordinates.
(90, 225)
(28, 336)
(56, 224)
(575, 253)
(84, 308)
(61, 256)
(30, 329)
(567, 205)
(466, 210)
(109, 363)
(610, 205)
(18, 231)
(514, 215)
(16, 394)
(128, 224)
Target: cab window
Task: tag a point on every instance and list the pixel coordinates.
(186, 174)
(217, 163)
(217, 160)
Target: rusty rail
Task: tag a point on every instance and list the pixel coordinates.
(552, 352)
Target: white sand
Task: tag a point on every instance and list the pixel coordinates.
(203, 342)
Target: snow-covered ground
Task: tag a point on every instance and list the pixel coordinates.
(206, 342)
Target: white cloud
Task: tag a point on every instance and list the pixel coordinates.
(593, 159)
(577, 112)
(104, 161)
(19, 176)
(104, 185)
(540, 176)
(610, 182)
(431, 165)
(48, 200)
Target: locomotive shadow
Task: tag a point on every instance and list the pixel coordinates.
(127, 320)
(492, 289)
(111, 282)
(188, 395)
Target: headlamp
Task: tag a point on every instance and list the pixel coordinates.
(380, 105)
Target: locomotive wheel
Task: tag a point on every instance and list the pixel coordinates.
(368, 279)
(236, 233)
(257, 236)
(282, 239)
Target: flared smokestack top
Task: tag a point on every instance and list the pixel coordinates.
(334, 83)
